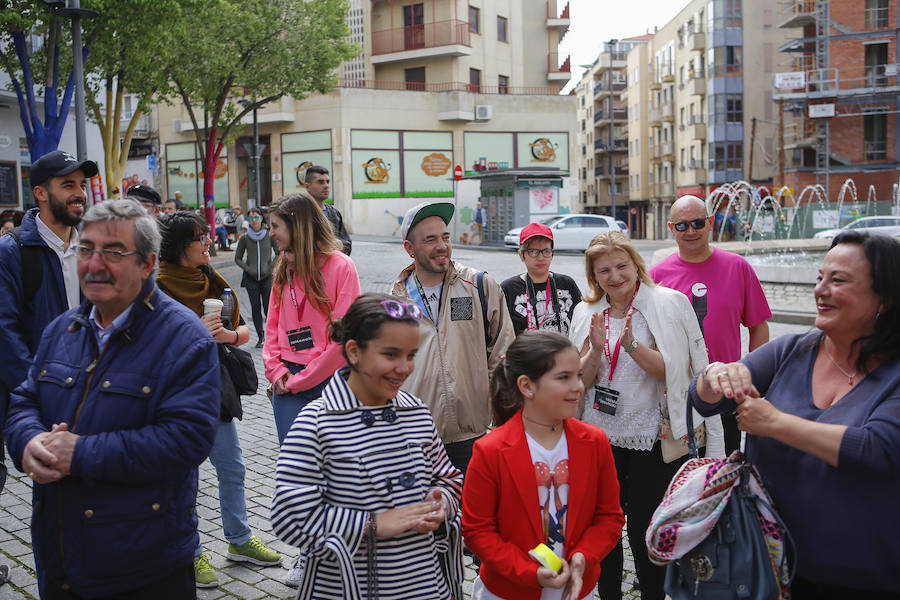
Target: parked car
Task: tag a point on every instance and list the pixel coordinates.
(883, 225)
(624, 228)
(570, 232)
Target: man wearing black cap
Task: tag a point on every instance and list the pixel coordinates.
(38, 266)
(463, 335)
(148, 197)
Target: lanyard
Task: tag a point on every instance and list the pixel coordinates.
(613, 357)
(425, 303)
(302, 305)
(531, 301)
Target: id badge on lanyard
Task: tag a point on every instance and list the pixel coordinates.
(301, 337)
(606, 399)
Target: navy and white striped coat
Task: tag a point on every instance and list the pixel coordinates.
(334, 469)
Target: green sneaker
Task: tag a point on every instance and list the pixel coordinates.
(203, 573)
(254, 552)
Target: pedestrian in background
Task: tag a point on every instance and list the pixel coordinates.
(363, 483)
(261, 251)
(185, 275)
(538, 298)
(540, 477)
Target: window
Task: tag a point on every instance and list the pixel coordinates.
(875, 137)
(414, 26)
(725, 61)
(876, 14)
(876, 59)
(503, 83)
(474, 80)
(474, 19)
(734, 104)
(502, 29)
(726, 156)
(415, 79)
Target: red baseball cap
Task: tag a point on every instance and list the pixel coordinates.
(534, 229)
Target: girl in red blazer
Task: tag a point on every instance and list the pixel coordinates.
(541, 477)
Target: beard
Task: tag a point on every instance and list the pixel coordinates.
(60, 210)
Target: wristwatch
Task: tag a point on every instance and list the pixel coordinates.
(631, 347)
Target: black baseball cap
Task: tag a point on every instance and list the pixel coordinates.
(144, 193)
(57, 164)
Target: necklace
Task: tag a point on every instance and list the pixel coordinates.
(552, 427)
(850, 376)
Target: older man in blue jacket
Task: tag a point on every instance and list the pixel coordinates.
(118, 410)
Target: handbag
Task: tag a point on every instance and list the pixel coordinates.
(237, 373)
(718, 533)
(672, 447)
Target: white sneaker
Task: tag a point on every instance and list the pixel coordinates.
(295, 574)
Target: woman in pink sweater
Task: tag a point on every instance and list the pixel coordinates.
(314, 284)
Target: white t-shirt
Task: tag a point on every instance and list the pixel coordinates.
(68, 260)
(551, 469)
(432, 297)
(636, 423)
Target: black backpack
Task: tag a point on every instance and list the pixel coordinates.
(32, 267)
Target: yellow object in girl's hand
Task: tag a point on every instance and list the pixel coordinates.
(546, 557)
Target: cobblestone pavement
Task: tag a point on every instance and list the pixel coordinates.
(378, 262)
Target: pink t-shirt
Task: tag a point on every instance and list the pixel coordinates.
(725, 293)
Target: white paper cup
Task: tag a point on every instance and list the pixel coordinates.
(212, 305)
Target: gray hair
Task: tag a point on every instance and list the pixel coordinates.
(146, 233)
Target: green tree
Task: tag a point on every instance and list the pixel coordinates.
(261, 50)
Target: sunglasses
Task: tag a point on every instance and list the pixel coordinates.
(697, 224)
(396, 310)
(254, 217)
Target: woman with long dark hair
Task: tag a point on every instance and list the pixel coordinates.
(541, 477)
(363, 485)
(185, 275)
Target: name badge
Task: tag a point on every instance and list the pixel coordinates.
(300, 339)
(606, 400)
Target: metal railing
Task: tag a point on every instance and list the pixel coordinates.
(858, 77)
(551, 10)
(876, 150)
(554, 66)
(425, 35)
(447, 86)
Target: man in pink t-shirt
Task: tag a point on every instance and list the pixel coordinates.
(722, 288)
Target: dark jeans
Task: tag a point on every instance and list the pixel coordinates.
(643, 479)
(259, 291)
(177, 584)
(801, 589)
(286, 407)
(460, 453)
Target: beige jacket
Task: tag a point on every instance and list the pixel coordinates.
(453, 363)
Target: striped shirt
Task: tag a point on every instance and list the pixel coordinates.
(342, 460)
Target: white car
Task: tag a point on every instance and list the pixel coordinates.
(570, 232)
(884, 225)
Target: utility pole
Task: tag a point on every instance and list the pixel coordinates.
(781, 141)
(752, 142)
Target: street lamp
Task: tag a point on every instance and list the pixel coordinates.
(73, 10)
(245, 103)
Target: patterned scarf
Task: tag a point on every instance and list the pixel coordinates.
(695, 500)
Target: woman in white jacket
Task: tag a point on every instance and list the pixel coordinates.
(640, 346)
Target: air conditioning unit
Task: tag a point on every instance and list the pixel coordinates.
(176, 124)
(484, 112)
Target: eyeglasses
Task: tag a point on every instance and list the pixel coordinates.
(534, 252)
(396, 309)
(109, 256)
(697, 224)
(203, 239)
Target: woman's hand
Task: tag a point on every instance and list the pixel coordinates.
(549, 578)
(576, 579)
(597, 335)
(732, 381)
(280, 386)
(627, 336)
(413, 517)
(433, 520)
(213, 322)
(757, 416)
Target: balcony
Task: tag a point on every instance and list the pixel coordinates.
(668, 113)
(655, 117)
(696, 171)
(798, 14)
(440, 38)
(557, 71)
(446, 86)
(697, 86)
(553, 20)
(697, 131)
(667, 72)
(664, 190)
(697, 41)
(141, 130)
(666, 151)
(599, 172)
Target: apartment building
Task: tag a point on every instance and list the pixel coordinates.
(839, 92)
(440, 83)
(700, 112)
(603, 134)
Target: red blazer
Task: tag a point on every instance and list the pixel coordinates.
(501, 511)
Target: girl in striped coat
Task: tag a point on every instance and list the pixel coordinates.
(363, 484)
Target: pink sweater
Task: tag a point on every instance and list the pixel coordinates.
(324, 358)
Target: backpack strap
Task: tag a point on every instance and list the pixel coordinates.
(483, 300)
(32, 267)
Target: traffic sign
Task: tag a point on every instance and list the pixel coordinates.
(457, 172)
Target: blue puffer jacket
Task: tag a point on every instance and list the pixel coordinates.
(147, 410)
(21, 326)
